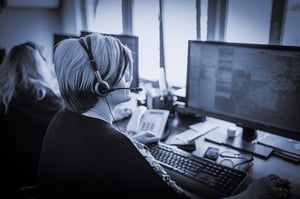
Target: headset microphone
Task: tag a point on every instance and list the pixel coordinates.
(136, 89)
(131, 89)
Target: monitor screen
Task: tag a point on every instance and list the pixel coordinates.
(132, 42)
(255, 86)
(57, 37)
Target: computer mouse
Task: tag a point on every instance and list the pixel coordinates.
(190, 146)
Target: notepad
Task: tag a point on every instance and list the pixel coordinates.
(196, 130)
(240, 144)
(204, 127)
(281, 143)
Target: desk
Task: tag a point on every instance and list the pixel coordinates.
(261, 167)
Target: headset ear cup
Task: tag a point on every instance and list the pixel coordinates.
(101, 88)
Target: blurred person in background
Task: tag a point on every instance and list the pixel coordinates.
(29, 98)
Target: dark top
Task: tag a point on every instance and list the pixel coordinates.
(21, 133)
(26, 113)
(84, 157)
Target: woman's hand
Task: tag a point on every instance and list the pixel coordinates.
(269, 187)
(146, 137)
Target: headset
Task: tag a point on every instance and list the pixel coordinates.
(101, 87)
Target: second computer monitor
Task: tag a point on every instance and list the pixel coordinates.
(57, 37)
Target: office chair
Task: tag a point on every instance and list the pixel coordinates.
(19, 153)
(27, 192)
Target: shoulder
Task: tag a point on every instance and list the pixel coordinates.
(52, 99)
(30, 97)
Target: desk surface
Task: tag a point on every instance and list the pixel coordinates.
(261, 167)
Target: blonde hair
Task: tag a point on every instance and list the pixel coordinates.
(20, 71)
(76, 76)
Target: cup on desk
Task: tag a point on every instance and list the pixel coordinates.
(231, 132)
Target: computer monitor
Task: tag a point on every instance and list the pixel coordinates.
(254, 86)
(57, 37)
(132, 42)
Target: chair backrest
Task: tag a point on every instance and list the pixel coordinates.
(20, 153)
(27, 192)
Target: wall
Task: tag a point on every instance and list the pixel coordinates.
(19, 25)
(72, 17)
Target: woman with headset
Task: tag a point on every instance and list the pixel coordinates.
(83, 154)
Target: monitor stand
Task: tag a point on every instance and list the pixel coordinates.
(242, 142)
(249, 134)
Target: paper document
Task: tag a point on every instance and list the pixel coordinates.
(195, 131)
(281, 143)
(204, 127)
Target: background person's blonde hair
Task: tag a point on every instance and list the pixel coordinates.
(24, 68)
(75, 74)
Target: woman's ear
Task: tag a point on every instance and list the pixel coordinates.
(127, 76)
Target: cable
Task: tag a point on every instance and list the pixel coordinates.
(228, 155)
(112, 115)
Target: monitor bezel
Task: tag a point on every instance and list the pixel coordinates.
(61, 37)
(234, 119)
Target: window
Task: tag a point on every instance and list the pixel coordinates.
(108, 17)
(291, 34)
(248, 21)
(146, 27)
(180, 26)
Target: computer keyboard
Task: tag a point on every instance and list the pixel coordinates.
(198, 174)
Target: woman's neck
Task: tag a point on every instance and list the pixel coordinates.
(100, 111)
